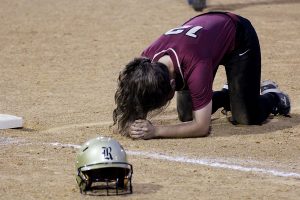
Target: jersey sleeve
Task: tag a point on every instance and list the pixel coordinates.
(200, 84)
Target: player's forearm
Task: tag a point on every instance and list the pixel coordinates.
(183, 130)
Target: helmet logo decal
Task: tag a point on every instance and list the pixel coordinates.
(107, 153)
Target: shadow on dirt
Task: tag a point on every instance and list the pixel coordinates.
(146, 188)
(236, 6)
(222, 127)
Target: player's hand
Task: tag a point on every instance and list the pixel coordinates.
(142, 129)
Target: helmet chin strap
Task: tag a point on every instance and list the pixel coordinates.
(82, 181)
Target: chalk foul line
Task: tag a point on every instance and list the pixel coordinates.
(215, 163)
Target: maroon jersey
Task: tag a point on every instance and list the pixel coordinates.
(196, 49)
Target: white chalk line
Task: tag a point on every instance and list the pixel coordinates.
(108, 123)
(75, 146)
(215, 163)
(102, 123)
(69, 126)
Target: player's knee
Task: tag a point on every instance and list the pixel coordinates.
(245, 118)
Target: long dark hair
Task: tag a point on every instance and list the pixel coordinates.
(143, 86)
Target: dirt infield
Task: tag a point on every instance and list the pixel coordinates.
(59, 62)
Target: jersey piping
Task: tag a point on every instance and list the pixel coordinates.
(177, 60)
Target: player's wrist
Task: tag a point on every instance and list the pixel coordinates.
(156, 132)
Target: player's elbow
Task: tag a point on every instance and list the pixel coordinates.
(202, 130)
(205, 131)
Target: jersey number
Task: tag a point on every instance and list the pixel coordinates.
(192, 30)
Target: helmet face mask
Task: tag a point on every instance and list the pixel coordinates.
(102, 168)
